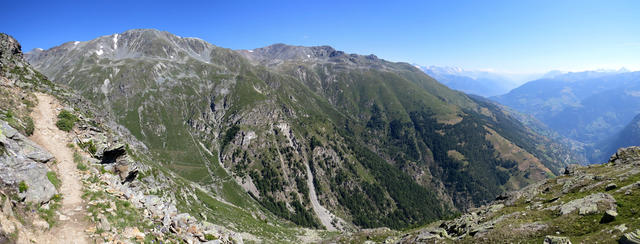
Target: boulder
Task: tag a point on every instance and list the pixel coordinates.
(4, 237)
(589, 204)
(556, 240)
(571, 169)
(133, 232)
(610, 187)
(630, 238)
(22, 144)
(122, 169)
(21, 166)
(588, 208)
(104, 223)
(625, 155)
(111, 154)
(609, 216)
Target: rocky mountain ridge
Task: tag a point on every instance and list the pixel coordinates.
(127, 198)
(264, 126)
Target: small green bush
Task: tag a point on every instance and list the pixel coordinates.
(50, 215)
(77, 158)
(29, 127)
(66, 120)
(210, 237)
(22, 187)
(81, 166)
(90, 146)
(9, 114)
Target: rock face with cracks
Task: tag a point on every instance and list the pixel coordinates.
(22, 166)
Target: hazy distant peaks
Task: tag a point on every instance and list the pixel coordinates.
(589, 74)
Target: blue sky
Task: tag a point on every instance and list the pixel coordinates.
(506, 36)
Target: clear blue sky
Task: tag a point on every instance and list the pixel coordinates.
(512, 36)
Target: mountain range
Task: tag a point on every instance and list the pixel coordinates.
(589, 107)
(481, 83)
(316, 136)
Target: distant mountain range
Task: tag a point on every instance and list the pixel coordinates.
(483, 83)
(589, 107)
(629, 136)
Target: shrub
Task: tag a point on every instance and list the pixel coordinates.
(22, 187)
(29, 127)
(66, 120)
(210, 237)
(92, 148)
(228, 136)
(89, 146)
(81, 166)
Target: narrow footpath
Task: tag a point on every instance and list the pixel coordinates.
(72, 220)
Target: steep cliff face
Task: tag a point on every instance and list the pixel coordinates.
(316, 136)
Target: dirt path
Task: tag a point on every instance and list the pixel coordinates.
(72, 223)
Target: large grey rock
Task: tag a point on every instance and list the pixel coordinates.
(609, 216)
(625, 155)
(23, 145)
(10, 50)
(556, 240)
(589, 204)
(21, 161)
(630, 238)
(571, 169)
(104, 223)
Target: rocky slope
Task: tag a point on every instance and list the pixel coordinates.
(125, 196)
(319, 137)
(586, 204)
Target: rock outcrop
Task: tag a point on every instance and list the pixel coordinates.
(10, 50)
(589, 204)
(22, 166)
(556, 240)
(631, 238)
(626, 155)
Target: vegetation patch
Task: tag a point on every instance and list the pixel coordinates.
(228, 136)
(77, 158)
(53, 178)
(49, 213)
(90, 146)
(22, 187)
(66, 120)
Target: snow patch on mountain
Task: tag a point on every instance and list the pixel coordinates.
(115, 41)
